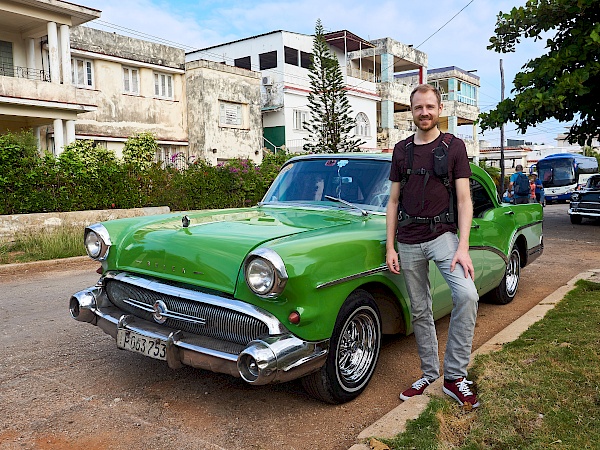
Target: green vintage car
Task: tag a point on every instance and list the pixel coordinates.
(295, 287)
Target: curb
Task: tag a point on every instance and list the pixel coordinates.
(394, 422)
(40, 266)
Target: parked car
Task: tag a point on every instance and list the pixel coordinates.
(295, 287)
(586, 202)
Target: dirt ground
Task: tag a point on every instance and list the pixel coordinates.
(65, 385)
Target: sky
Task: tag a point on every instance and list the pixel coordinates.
(451, 32)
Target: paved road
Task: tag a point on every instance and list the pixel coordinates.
(64, 384)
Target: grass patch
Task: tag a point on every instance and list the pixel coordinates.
(540, 391)
(53, 243)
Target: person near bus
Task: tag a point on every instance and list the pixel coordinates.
(516, 188)
(539, 189)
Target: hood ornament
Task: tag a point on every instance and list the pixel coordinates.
(185, 221)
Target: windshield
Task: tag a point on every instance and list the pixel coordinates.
(361, 182)
(555, 173)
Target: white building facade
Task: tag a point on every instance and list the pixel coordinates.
(283, 58)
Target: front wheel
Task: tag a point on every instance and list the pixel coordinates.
(507, 289)
(575, 219)
(353, 352)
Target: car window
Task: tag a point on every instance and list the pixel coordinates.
(360, 181)
(482, 202)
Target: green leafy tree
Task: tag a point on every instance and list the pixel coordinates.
(564, 83)
(140, 150)
(330, 123)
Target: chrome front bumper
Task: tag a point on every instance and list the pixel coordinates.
(272, 359)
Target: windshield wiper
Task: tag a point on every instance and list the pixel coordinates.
(344, 202)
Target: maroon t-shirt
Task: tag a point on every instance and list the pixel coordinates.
(431, 199)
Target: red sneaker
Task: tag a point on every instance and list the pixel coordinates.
(459, 390)
(417, 388)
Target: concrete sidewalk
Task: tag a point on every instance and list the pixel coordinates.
(395, 421)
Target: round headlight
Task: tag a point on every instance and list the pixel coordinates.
(260, 276)
(97, 242)
(575, 196)
(93, 244)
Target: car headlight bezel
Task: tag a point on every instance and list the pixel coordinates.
(96, 241)
(575, 196)
(265, 273)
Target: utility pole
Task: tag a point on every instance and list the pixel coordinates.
(501, 132)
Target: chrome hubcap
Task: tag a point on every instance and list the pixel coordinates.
(513, 271)
(358, 348)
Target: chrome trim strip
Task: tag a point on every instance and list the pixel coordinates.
(537, 222)
(273, 324)
(365, 273)
(494, 250)
(171, 314)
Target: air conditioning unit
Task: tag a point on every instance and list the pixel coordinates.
(267, 80)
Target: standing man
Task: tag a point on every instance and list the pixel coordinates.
(417, 217)
(539, 190)
(518, 188)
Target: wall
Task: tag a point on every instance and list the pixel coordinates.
(208, 85)
(10, 225)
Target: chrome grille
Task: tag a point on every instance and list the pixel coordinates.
(190, 316)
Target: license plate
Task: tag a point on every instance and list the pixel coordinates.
(134, 342)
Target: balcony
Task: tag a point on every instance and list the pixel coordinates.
(8, 70)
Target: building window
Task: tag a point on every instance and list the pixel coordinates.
(362, 125)
(231, 114)
(131, 80)
(299, 118)
(467, 93)
(305, 60)
(291, 55)
(243, 63)
(81, 72)
(6, 59)
(268, 60)
(163, 85)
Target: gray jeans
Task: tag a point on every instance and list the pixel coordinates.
(414, 261)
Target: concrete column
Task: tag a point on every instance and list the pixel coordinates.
(59, 137)
(37, 131)
(387, 67)
(70, 132)
(387, 114)
(453, 125)
(452, 89)
(65, 53)
(53, 53)
(30, 51)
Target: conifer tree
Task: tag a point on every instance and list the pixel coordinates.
(330, 123)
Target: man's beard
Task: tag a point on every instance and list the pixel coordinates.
(433, 123)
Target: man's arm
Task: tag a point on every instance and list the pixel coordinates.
(391, 223)
(465, 218)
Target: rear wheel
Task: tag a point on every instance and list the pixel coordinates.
(575, 219)
(507, 289)
(353, 352)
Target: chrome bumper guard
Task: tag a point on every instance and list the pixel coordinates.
(273, 359)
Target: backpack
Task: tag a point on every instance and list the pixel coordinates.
(521, 185)
(440, 171)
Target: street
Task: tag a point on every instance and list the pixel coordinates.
(65, 385)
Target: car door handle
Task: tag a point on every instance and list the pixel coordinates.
(509, 213)
(474, 226)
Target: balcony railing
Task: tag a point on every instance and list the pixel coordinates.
(24, 72)
(362, 75)
(461, 98)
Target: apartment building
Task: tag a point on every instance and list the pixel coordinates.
(67, 81)
(283, 59)
(36, 85)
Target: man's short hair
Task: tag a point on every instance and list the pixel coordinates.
(423, 88)
(519, 168)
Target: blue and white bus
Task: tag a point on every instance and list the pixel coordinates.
(564, 173)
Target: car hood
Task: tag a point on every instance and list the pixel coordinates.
(210, 251)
